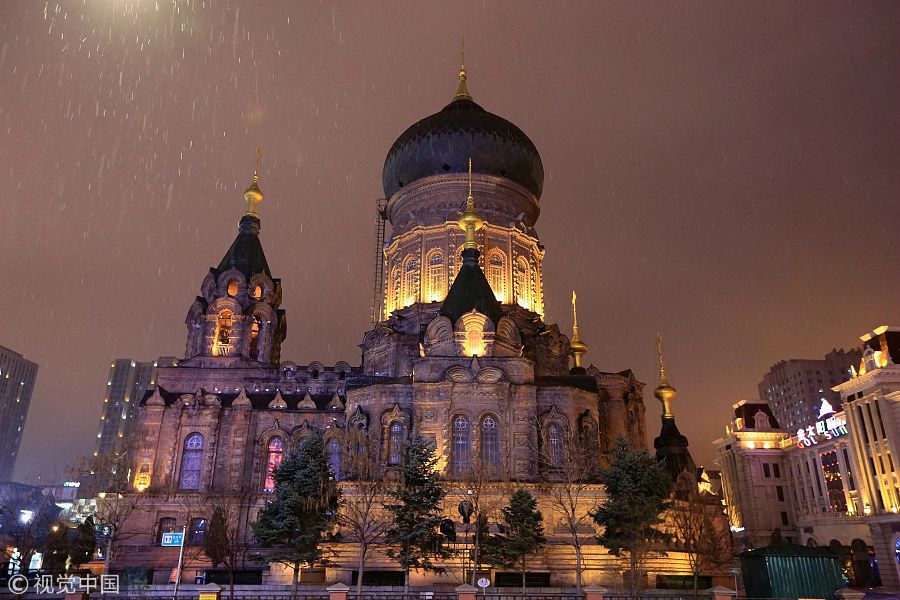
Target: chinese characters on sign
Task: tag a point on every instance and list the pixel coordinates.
(828, 428)
(65, 584)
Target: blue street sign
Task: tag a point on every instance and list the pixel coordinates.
(172, 539)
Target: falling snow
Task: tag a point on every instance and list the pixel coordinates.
(725, 174)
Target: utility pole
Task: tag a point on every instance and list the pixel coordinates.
(178, 568)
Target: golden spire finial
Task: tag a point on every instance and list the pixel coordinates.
(577, 346)
(462, 93)
(470, 221)
(252, 195)
(664, 392)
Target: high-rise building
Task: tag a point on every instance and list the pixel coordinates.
(17, 376)
(832, 481)
(128, 382)
(795, 388)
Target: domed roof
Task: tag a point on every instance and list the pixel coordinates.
(444, 142)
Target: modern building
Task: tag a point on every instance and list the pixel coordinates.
(872, 406)
(755, 483)
(795, 388)
(128, 383)
(17, 376)
(460, 353)
(832, 481)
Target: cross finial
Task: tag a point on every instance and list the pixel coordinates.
(253, 196)
(462, 93)
(659, 348)
(578, 347)
(664, 392)
(470, 221)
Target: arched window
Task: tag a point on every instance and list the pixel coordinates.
(395, 443)
(474, 342)
(410, 282)
(760, 420)
(254, 337)
(257, 292)
(435, 277)
(334, 458)
(233, 287)
(393, 291)
(196, 532)
(457, 263)
(496, 274)
(223, 345)
(166, 525)
(523, 283)
(274, 452)
(554, 444)
(461, 444)
(490, 444)
(589, 442)
(191, 460)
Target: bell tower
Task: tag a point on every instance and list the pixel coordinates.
(236, 319)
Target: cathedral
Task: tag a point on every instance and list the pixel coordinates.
(460, 352)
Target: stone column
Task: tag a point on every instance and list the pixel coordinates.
(338, 591)
(466, 592)
(848, 594)
(721, 593)
(594, 592)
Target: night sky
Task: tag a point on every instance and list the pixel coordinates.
(725, 173)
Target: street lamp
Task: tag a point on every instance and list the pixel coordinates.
(466, 509)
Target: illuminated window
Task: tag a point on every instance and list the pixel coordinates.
(274, 453)
(395, 444)
(166, 525)
(435, 277)
(334, 459)
(410, 281)
(232, 288)
(496, 274)
(191, 461)
(223, 334)
(393, 291)
(461, 444)
(196, 532)
(523, 283)
(474, 342)
(257, 292)
(490, 443)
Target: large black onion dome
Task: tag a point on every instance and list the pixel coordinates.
(445, 141)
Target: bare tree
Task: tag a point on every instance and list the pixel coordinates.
(223, 542)
(361, 514)
(701, 530)
(109, 477)
(214, 530)
(480, 492)
(569, 468)
(26, 518)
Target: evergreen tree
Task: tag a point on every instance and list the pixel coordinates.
(56, 548)
(521, 534)
(414, 534)
(216, 543)
(218, 546)
(305, 500)
(637, 492)
(85, 543)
